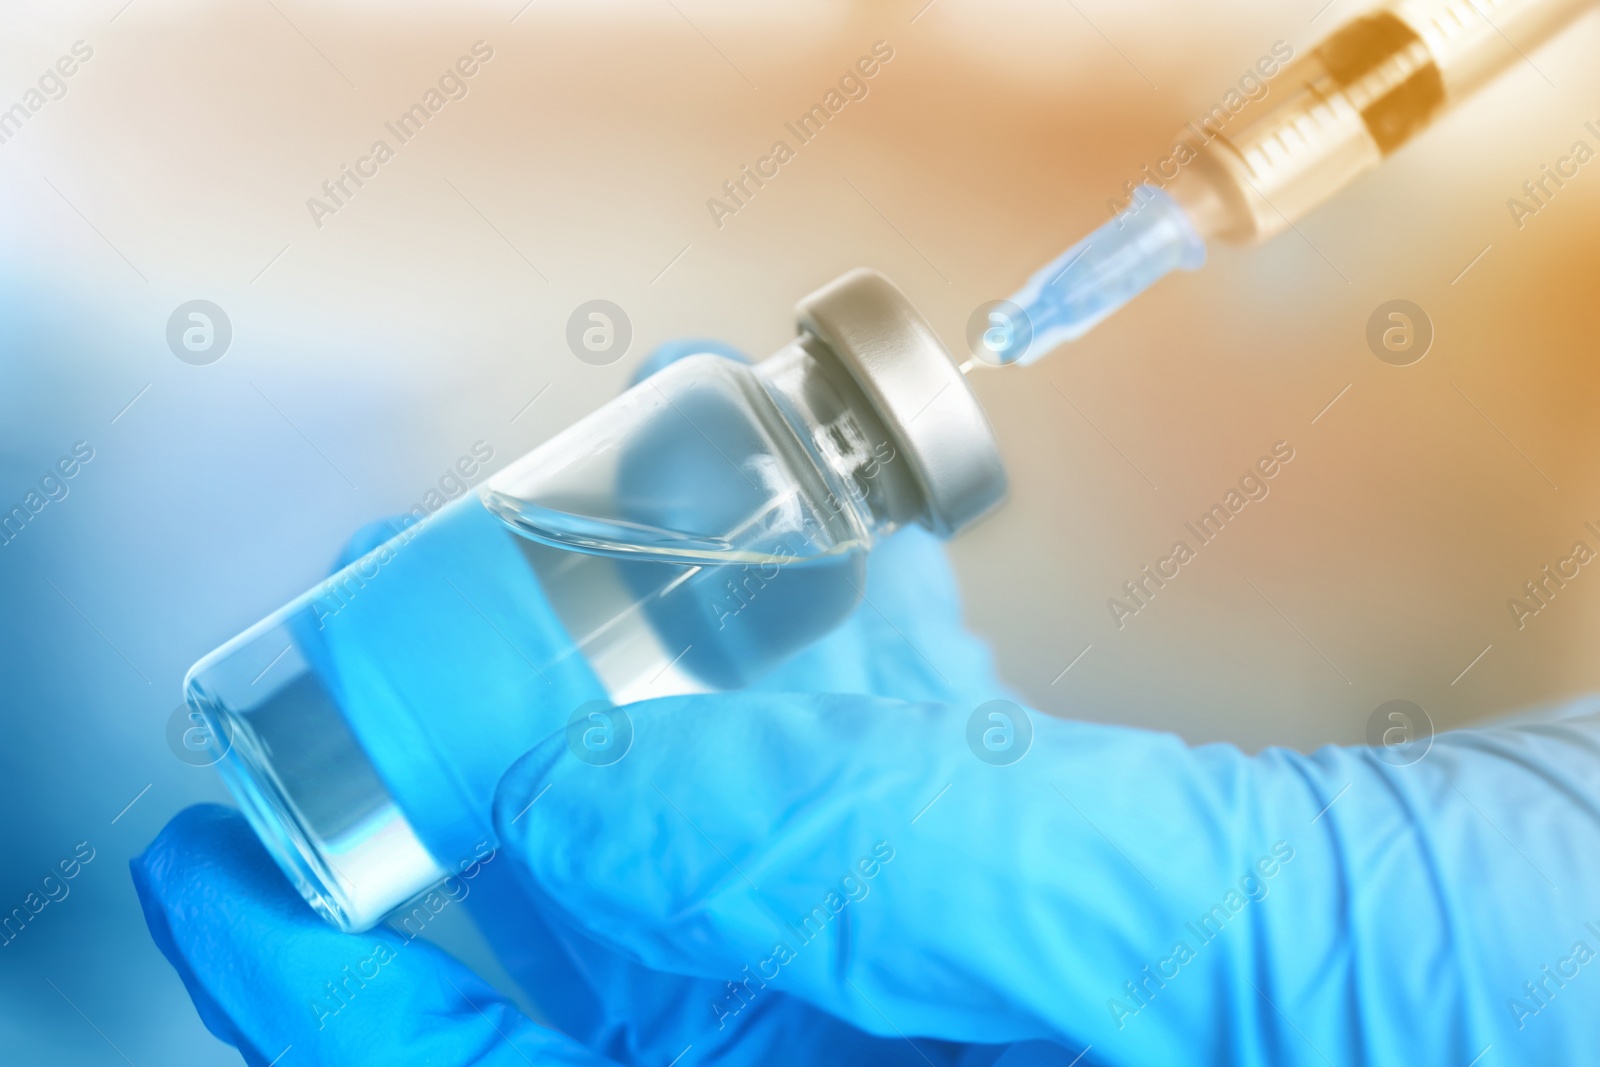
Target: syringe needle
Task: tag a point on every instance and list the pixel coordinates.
(1096, 276)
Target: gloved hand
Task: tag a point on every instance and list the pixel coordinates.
(839, 866)
(266, 973)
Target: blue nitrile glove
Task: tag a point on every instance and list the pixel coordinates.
(826, 870)
(1114, 888)
(259, 964)
(266, 974)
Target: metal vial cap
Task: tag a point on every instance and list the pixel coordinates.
(917, 390)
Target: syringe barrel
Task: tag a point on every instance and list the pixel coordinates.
(1471, 40)
(1340, 110)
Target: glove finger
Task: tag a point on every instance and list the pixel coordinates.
(636, 1014)
(859, 854)
(266, 974)
(769, 838)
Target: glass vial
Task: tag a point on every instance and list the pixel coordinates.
(688, 536)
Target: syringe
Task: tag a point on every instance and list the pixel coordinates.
(1250, 174)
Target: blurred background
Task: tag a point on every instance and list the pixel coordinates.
(370, 351)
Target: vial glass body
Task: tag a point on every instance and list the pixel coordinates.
(687, 536)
